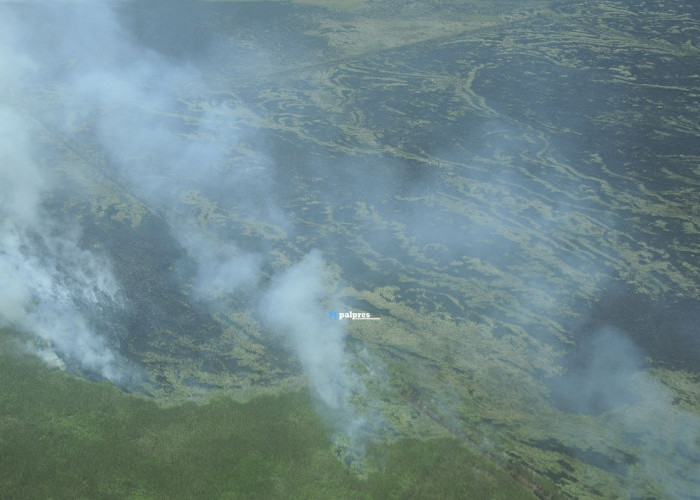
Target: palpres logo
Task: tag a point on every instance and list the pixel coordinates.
(352, 315)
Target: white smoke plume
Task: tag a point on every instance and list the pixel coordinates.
(51, 285)
(136, 97)
(132, 98)
(294, 305)
(48, 280)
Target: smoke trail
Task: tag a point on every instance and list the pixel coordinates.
(294, 305)
(48, 282)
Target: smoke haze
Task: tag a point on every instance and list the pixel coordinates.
(129, 100)
(480, 218)
(607, 376)
(49, 283)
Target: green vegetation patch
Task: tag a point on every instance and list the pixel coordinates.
(66, 437)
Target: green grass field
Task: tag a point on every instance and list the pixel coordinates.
(65, 437)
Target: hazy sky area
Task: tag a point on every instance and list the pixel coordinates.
(187, 192)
